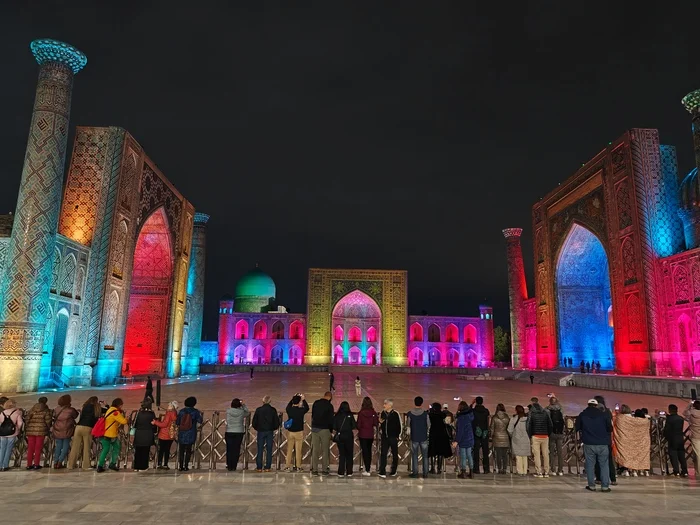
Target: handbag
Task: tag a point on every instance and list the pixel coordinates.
(288, 424)
(336, 436)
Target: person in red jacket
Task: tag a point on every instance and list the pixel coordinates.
(367, 423)
(166, 434)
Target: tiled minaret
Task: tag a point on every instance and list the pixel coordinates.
(690, 187)
(517, 294)
(195, 294)
(24, 291)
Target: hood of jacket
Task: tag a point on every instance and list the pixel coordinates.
(555, 406)
(417, 411)
(536, 408)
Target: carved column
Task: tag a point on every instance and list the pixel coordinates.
(517, 293)
(195, 294)
(690, 191)
(24, 292)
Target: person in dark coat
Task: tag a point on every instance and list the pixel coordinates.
(265, 421)
(673, 432)
(343, 425)
(612, 467)
(149, 390)
(481, 434)
(595, 428)
(144, 437)
(187, 420)
(367, 423)
(464, 438)
(439, 446)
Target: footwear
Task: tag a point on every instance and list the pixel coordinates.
(166, 467)
(186, 469)
(383, 476)
(30, 467)
(414, 476)
(39, 467)
(592, 489)
(560, 473)
(314, 473)
(538, 475)
(299, 469)
(288, 469)
(546, 476)
(684, 475)
(326, 473)
(394, 474)
(425, 476)
(114, 468)
(471, 475)
(613, 482)
(159, 467)
(348, 475)
(461, 475)
(606, 489)
(365, 473)
(258, 470)
(267, 470)
(100, 469)
(553, 473)
(627, 473)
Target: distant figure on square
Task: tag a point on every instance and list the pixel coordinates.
(332, 382)
(673, 432)
(358, 386)
(532, 378)
(252, 370)
(149, 389)
(582, 366)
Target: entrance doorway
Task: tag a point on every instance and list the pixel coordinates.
(357, 326)
(59, 341)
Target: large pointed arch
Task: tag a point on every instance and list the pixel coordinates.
(356, 326)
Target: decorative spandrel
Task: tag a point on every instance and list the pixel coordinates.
(372, 288)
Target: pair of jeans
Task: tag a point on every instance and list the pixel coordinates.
(6, 446)
(501, 454)
(35, 444)
(540, 451)
(184, 455)
(597, 455)
(82, 442)
(164, 451)
(61, 451)
(233, 449)
(264, 444)
(676, 452)
(466, 456)
(295, 442)
(345, 452)
(109, 445)
(386, 444)
(421, 446)
(320, 444)
(612, 469)
(481, 444)
(366, 447)
(556, 448)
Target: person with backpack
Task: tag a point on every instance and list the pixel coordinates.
(556, 440)
(296, 410)
(38, 426)
(265, 422)
(481, 433)
(107, 430)
(11, 423)
(419, 425)
(187, 421)
(64, 417)
(539, 428)
(166, 435)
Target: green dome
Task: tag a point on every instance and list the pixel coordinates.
(254, 287)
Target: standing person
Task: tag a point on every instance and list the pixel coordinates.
(692, 414)
(38, 426)
(11, 422)
(144, 435)
(595, 427)
(539, 428)
(167, 432)
(673, 432)
(612, 467)
(367, 423)
(358, 386)
(419, 424)
(236, 416)
(582, 366)
(481, 434)
(588, 367)
(464, 437)
(110, 440)
(343, 425)
(556, 439)
(500, 438)
(82, 438)
(265, 422)
(149, 390)
(439, 447)
(331, 378)
(632, 441)
(64, 416)
(532, 378)
(389, 429)
(296, 411)
(252, 369)
(520, 441)
(187, 421)
(3, 399)
(321, 427)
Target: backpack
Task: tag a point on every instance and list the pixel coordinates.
(185, 421)
(8, 427)
(557, 421)
(98, 431)
(288, 424)
(172, 430)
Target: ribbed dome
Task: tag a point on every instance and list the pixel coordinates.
(254, 291)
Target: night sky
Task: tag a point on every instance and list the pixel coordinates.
(398, 135)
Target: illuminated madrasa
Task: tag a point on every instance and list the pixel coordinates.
(617, 263)
(102, 278)
(353, 317)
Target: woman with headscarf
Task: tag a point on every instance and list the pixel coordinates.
(439, 446)
(143, 436)
(167, 432)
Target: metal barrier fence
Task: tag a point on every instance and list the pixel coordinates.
(209, 451)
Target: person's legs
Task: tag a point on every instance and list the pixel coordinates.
(559, 449)
(463, 459)
(590, 456)
(485, 451)
(383, 455)
(415, 446)
(103, 452)
(476, 451)
(366, 447)
(424, 452)
(116, 449)
(325, 436)
(673, 455)
(682, 460)
(290, 450)
(394, 444)
(269, 442)
(349, 453)
(229, 451)
(86, 434)
(31, 443)
(521, 464)
(612, 468)
(315, 450)
(341, 458)
(544, 449)
(299, 448)
(6, 444)
(603, 456)
(535, 445)
(65, 446)
(188, 455)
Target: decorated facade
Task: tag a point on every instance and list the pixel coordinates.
(100, 279)
(617, 262)
(354, 317)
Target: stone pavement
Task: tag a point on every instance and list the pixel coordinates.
(224, 497)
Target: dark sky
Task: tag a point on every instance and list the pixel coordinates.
(362, 134)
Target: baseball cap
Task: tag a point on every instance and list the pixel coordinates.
(592, 402)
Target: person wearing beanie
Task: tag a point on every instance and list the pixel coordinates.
(167, 432)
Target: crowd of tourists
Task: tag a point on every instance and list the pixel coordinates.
(615, 442)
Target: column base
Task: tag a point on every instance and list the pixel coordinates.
(317, 360)
(20, 356)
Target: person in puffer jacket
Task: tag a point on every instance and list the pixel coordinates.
(464, 437)
(38, 426)
(501, 440)
(539, 428)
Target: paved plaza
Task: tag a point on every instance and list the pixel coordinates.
(213, 497)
